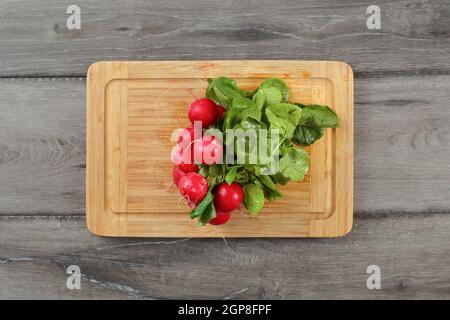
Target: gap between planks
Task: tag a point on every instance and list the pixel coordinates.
(360, 215)
(358, 74)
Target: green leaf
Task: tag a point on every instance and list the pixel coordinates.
(280, 178)
(220, 97)
(285, 147)
(203, 171)
(205, 210)
(246, 146)
(253, 198)
(267, 181)
(288, 111)
(242, 103)
(249, 113)
(294, 164)
(270, 190)
(222, 91)
(278, 84)
(216, 170)
(272, 94)
(318, 116)
(231, 175)
(251, 123)
(284, 117)
(207, 215)
(230, 119)
(313, 119)
(259, 99)
(242, 176)
(266, 96)
(272, 194)
(242, 108)
(202, 206)
(307, 135)
(250, 168)
(212, 180)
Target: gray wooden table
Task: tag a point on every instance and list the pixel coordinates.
(402, 160)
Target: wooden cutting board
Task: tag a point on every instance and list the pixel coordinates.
(132, 109)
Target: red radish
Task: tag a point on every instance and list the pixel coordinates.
(177, 156)
(203, 110)
(177, 174)
(186, 136)
(193, 187)
(228, 197)
(182, 156)
(188, 167)
(220, 111)
(208, 151)
(221, 218)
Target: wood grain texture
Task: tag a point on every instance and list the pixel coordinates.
(413, 39)
(411, 250)
(402, 148)
(401, 145)
(42, 146)
(129, 186)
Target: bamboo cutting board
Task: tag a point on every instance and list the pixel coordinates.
(132, 109)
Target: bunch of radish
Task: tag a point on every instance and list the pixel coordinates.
(255, 163)
(195, 149)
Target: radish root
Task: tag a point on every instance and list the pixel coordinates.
(180, 199)
(244, 213)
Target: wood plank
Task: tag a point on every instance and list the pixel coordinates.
(402, 133)
(413, 252)
(413, 36)
(42, 148)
